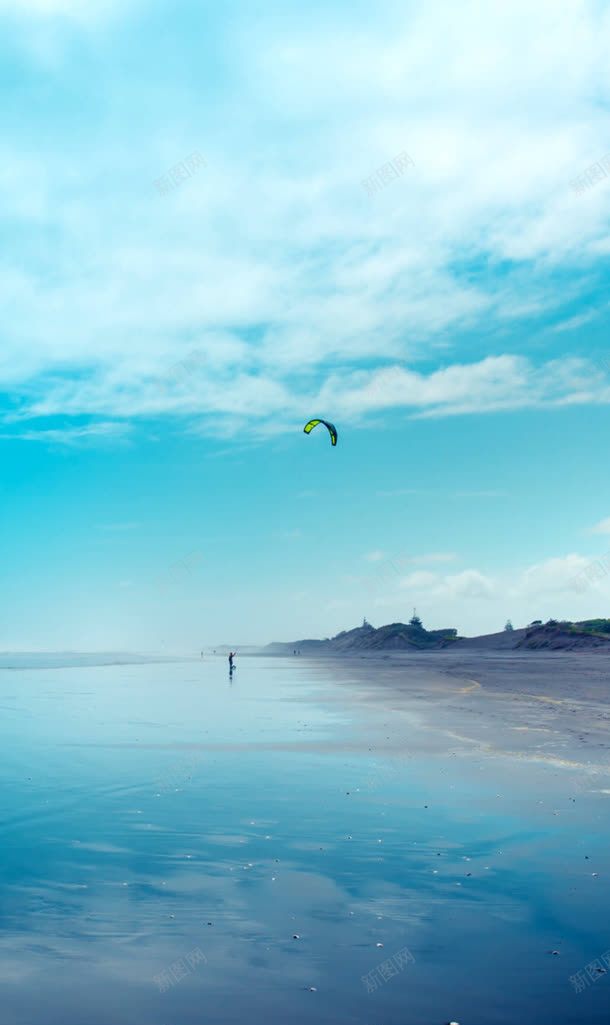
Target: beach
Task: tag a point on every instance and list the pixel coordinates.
(377, 841)
(527, 704)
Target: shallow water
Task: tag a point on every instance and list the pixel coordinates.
(167, 833)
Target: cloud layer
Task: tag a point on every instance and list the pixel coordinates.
(293, 287)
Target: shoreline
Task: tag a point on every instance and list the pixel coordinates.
(549, 707)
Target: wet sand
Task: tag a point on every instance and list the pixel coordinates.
(345, 841)
(546, 706)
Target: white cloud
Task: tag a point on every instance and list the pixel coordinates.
(280, 268)
(73, 435)
(391, 565)
(477, 602)
(556, 577)
(421, 580)
(401, 491)
(435, 557)
(480, 494)
(551, 576)
(571, 323)
(219, 402)
(494, 383)
(468, 584)
(603, 527)
(83, 11)
(398, 492)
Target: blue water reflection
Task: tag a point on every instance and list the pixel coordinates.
(177, 849)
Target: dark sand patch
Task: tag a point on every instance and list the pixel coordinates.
(544, 706)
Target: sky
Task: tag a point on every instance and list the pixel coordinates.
(218, 221)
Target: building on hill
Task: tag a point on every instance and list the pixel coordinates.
(416, 621)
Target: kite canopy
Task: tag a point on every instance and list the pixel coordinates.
(332, 430)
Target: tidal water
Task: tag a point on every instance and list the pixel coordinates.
(179, 848)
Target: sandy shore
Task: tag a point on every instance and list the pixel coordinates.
(541, 706)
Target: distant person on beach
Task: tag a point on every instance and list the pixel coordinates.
(231, 657)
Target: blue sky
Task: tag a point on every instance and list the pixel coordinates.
(162, 348)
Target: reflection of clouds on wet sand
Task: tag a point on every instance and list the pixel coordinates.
(226, 839)
(100, 848)
(279, 864)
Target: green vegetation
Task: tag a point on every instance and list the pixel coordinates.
(596, 627)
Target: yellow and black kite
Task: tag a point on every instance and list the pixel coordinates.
(332, 430)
